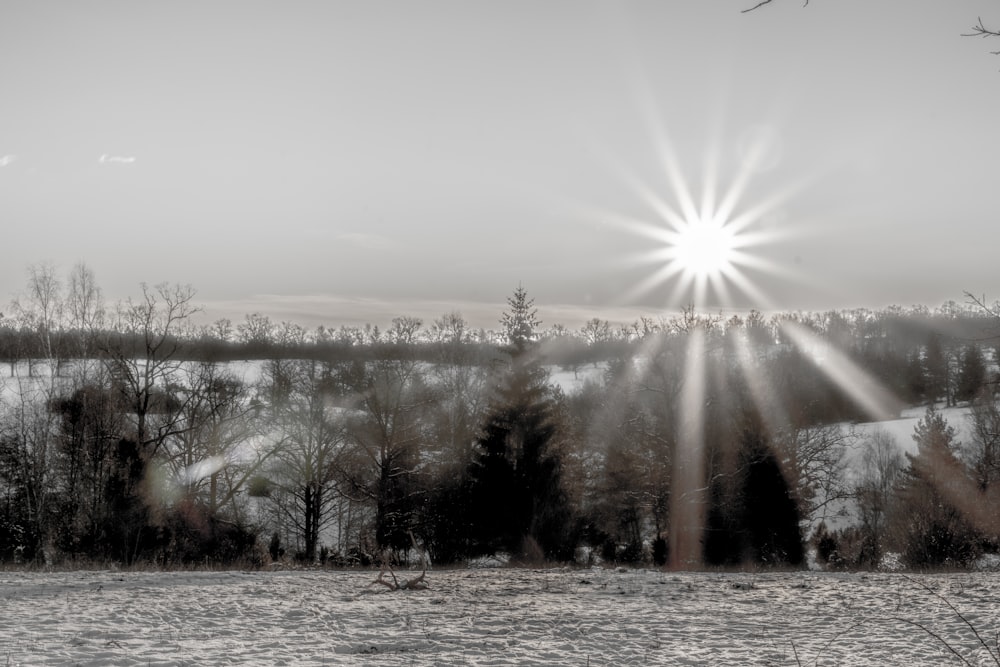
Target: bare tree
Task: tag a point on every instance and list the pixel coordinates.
(460, 382)
(214, 455)
(404, 330)
(40, 310)
(881, 470)
(85, 309)
(143, 358)
(310, 449)
(982, 453)
(389, 432)
(222, 329)
(450, 328)
(814, 463)
(256, 329)
(31, 425)
(596, 331)
(90, 427)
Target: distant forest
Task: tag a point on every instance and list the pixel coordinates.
(129, 435)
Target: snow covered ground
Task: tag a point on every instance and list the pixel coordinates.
(501, 616)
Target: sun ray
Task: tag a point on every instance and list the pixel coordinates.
(668, 161)
(749, 288)
(684, 283)
(760, 384)
(710, 178)
(753, 213)
(651, 282)
(877, 401)
(687, 502)
(721, 287)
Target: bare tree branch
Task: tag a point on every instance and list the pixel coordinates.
(980, 30)
(766, 2)
(757, 6)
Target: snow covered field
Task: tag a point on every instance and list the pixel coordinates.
(499, 616)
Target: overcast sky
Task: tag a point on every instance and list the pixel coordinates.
(335, 162)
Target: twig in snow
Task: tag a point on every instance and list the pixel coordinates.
(994, 656)
(935, 636)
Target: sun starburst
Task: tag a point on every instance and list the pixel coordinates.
(707, 243)
(706, 257)
(704, 248)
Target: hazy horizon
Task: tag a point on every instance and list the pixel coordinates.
(348, 162)
(332, 312)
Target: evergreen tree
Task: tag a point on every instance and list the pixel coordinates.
(935, 371)
(518, 503)
(933, 530)
(772, 515)
(517, 494)
(520, 321)
(914, 378)
(753, 516)
(971, 373)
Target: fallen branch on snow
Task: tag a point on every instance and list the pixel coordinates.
(415, 584)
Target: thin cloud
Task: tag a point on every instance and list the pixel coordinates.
(7, 159)
(119, 159)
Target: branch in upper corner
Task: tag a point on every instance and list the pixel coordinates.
(757, 6)
(766, 2)
(979, 30)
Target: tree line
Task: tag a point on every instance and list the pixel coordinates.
(130, 435)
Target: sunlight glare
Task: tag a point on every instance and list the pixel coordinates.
(704, 248)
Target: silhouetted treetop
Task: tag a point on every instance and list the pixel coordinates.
(520, 321)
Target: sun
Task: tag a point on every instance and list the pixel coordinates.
(703, 244)
(702, 254)
(704, 249)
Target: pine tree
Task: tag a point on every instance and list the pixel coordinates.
(914, 378)
(971, 373)
(520, 321)
(753, 516)
(518, 503)
(935, 371)
(934, 530)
